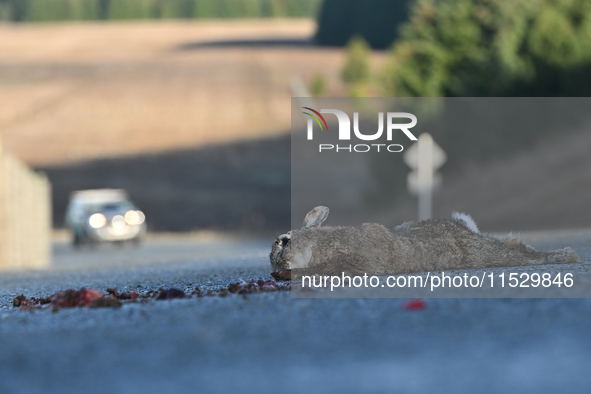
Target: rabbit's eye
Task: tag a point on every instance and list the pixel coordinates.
(284, 241)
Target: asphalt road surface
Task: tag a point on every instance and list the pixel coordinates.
(271, 342)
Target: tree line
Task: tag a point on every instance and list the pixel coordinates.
(69, 10)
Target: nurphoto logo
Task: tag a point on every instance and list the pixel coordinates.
(344, 132)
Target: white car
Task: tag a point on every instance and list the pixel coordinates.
(104, 215)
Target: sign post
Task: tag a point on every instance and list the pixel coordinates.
(424, 157)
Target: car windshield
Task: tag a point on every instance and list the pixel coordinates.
(112, 206)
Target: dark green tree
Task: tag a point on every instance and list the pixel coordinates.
(356, 69)
(493, 48)
(376, 21)
(356, 72)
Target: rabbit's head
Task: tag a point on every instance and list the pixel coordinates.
(281, 251)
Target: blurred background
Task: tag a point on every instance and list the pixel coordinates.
(186, 103)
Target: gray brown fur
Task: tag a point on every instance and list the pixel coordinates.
(430, 245)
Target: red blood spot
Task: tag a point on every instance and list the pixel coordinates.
(89, 295)
(415, 305)
(73, 298)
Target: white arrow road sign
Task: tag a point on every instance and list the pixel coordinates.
(429, 152)
(424, 156)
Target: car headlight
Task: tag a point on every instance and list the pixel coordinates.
(134, 218)
(118, 221)
(97, 220)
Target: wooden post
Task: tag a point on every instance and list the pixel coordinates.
(25, 216)
(2, 207)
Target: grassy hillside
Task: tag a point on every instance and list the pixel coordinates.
(95, 90)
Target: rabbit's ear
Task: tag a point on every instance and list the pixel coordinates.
(316, 217)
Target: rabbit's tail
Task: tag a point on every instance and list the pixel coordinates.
(467, 220)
